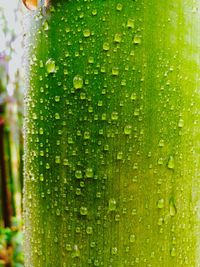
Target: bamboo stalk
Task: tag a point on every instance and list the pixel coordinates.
(111, 134)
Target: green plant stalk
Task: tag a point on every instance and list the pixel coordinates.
(9, 168)
(111, 134)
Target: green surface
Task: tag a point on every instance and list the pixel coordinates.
(111, 134)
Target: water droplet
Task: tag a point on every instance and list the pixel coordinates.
(89, 173)
(120, 155)
(91, 60)
(78, 191)
(41, 131)
(89, 230)
(114, 251)
(160, 221)
(132, 238)
(57, 159)
(119, 7)
(160, 203)
(106, 46)
(41, 177)
(94, 12)
(57, 98)
(47, 166)
(170, 163)
(76, 252)
(83, 211)
(65, 162)
(181, 123)
(58, 212)
(51, 66)
(68, 247)
(130, 23)
(92, 244)
(161, 143)
(86, 33)
(173, 252)
(106, 147)
(57, 116)
(137, 40)
(82, 96)
(103, 116)
(128, 129)
(78, 174)
(86, 135)
(160, 161)
(112, 204)
(114, 116)
(117, 38)
(172, 207)
(133, 96)
(78, 82)
(45, 26)
(115, 71)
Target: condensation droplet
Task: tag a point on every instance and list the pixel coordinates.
(83, 211)
(120, 155)
(86, 33)
(41, 131)
(57, 116)
(119, 7)
(172, 207)
(112, 206)
(51, 66)
(78, 82)
(173, 252)
(170, 163)
(89, 173)
(130, 23)
(137, 40)
(114, 116)
(78, 174)
(106, 46)
(45, 26)
(114, 251)
(132, 238)
(128, 129)
(115, 71)
(181, 123)
(76, 252)
(94, 12)
(160, 203)
(133, 96)
(57, 98)
(68, 247)
(117, 38)
(41, 177)
(58, 212)
(89, 230)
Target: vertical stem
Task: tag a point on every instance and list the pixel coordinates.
(6, 203)
(8, 149)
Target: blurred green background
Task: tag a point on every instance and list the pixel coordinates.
(11, 132)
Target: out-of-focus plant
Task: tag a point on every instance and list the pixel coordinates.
(11, 113)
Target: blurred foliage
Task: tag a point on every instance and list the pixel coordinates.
(11, 246)
(11, 115)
